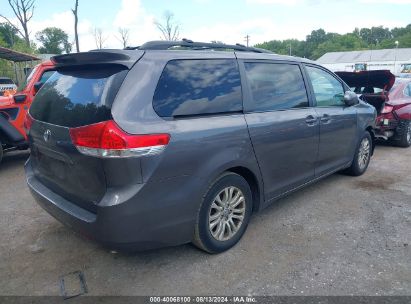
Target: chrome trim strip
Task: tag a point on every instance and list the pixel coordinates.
(124, 153)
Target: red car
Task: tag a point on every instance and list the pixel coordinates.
(13, 109)
(392, 99)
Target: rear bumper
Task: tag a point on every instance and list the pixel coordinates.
(132, 225)
(391, 128)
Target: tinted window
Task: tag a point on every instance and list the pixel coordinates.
(74, 98)
(276, 86)
(328, 91)
(194, 87)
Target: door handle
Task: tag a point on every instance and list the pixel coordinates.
(310, 120)
(325, 119)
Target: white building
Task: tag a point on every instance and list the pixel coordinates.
(388, 59)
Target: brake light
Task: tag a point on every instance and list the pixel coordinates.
(387, 109)
(28, 122)
(106, 139)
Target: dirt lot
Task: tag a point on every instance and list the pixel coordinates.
(340, 236)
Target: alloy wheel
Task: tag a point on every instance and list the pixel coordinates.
(364, 153)
(227, 213)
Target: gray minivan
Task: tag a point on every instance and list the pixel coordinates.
(177, 142)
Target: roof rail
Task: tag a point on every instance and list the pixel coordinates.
(186, 43)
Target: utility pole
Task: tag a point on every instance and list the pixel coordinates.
(290, 48)
(247, 39)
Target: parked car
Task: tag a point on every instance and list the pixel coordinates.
(406, 68)
(6, 84)
(13, 110)
(392, 100)
(157, 146)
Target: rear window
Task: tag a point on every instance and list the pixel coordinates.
(6, 81)
(198, 87)
(78, 97)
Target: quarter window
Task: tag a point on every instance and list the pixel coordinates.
(328, 91)
(198, 87)
(276, 86)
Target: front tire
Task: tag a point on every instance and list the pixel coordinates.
(362, 156)
(224, 214)
(404, 134)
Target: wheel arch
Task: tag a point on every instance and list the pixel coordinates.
(251, 178)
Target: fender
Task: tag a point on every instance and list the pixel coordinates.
(239, 164)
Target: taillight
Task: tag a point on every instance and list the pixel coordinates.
(106, 139)
(387, 109)
(28, 122)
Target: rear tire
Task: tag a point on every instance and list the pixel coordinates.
(224, 214)
(404, 135)
(362, 156)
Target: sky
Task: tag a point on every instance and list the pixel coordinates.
(223, 20)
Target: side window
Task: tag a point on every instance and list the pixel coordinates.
(195, 87)
(276, 86)
(46, 75)
(328, 90)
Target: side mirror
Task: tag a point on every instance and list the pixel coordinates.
(350, 98)
(20, 98)
(37, 86)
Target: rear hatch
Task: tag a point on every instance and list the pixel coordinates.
(80, 93)
(373, 86)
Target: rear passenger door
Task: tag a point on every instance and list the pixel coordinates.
(283, 127)
(338, 122)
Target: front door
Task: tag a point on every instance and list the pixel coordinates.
(338, 122)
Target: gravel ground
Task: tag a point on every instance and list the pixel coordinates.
(341, 236)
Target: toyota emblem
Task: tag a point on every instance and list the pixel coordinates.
(47, 135)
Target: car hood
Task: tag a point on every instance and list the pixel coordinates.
(382, 79)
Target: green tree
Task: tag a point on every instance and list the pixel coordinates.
(23, 11)
(53, 41)
(9, 35)
(320, 42)
(405, 40)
